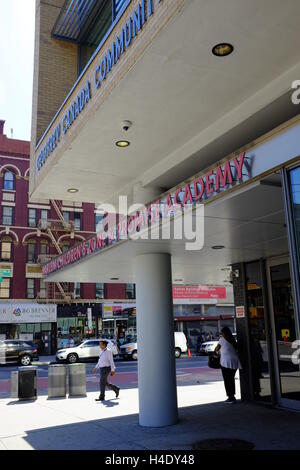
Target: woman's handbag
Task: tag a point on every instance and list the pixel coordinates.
(214, 361)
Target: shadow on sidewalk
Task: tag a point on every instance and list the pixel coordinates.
(264, 427)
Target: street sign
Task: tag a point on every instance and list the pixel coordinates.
(240, 311)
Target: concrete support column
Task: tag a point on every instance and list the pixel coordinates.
(155, 330)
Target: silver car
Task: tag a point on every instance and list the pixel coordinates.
(87, 350)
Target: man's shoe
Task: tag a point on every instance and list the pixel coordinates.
(117, 393)
(230, 400)
(100, 399)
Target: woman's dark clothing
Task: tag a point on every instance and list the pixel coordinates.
(228, 377)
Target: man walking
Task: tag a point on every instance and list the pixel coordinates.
(106, 366)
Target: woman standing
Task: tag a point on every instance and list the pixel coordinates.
(229, 362)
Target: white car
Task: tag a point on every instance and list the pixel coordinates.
(129, 350)
(89, 349)
(209, 346)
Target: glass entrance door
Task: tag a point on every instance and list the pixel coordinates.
(285, 333)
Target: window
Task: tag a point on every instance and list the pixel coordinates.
(77, 290)
(44, 214)
(44, 247)
(99, 291)
(91, 344)
(130, 291)
(6, 250)
(9, 181)
(30, 289)
(32, 221)
(31, 252)
(43, 290)
(66, 216)
(77, 220)
(98, 219)
(65, 247)
(5, 289)
(7, 216)
(90, 41)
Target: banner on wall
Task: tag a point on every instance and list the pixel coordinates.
(27, 313)
(199, 293)
(118, 310)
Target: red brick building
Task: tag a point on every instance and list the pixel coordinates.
(31, 232)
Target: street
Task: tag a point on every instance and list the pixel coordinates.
(189, 371)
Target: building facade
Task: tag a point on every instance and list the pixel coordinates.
(33, 231)
(176, 106)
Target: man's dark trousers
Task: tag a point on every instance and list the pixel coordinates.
(104, 373)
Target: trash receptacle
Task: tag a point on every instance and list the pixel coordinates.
(14, 384)
(77, 380)
(27, 383)
(57, 381)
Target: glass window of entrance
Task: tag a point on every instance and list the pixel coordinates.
(258, 334)
(295, 194)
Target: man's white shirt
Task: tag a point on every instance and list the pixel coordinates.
(106, 359)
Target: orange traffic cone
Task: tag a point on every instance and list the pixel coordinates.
(189, 353)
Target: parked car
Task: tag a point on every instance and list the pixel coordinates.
(209, 346)
(17, 351)
(130, 351)
(87, 350)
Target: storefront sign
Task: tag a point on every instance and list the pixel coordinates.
(199, 292)
(200, 189)
(27, 313)
(118, 310)
(240, 312)
(135, 23)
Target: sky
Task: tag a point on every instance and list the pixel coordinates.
(17, 23)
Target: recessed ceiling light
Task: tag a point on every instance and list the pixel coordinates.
(218, 247)
(122, 143)
(223, 49)
(73, 190)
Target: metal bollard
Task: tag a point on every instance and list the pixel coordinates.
(57, 381)
(27, 383)
(77, 380)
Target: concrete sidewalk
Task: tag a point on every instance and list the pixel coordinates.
(82, 423)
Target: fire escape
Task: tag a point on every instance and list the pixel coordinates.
(57, 292)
